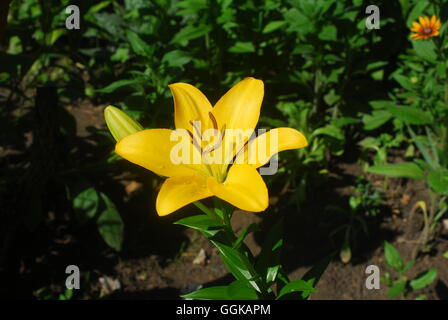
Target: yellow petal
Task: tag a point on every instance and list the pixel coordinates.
(433, 20)
(177, 192)
(259, 150)
(422, 21)
(416, 27)
(240, 107)
(244, 188)
(151, 149)
(190, 104)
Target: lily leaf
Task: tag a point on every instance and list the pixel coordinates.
(201, 222)
(313, 275)
(237, 290)
(237, 263)
(253, 227)
(296, 286)
(268, 262)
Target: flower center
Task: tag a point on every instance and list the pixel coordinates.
(427, 30)
(218, 171)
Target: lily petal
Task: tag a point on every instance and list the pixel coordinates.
(244, 188)
(240, 107)
(190, 104)
(259, 150)
(151, 149)
(177, 192)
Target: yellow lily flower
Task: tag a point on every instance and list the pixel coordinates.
(237, 182)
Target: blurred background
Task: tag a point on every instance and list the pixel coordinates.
(367, 100)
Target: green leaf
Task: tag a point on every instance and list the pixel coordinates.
(438, 180)
(139, 46)
(85, 203)
(237, 263)
(110, 224)
(405, 169)
(425, 50)
(201, 222)
(417, 11)
(313, 275)
(396, 289)
(404, 81)
(410, 115)
(98, 7)
(117, 84)
(237, 290)
(268, 261)
(273, 25)
(242, 47)
(242, 290)
(297, 286)
(253, 227)
(328, 33)
(393, 257)
(55, 35)
(376, 119)
(176, 58)
(424, 279)
(381, 104)
(120, 55)
(190, 32)
(331, 131)
(408, 265)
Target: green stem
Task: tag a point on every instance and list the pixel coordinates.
(208, 211)
(232, 238)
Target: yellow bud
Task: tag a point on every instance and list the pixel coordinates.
(119, 123)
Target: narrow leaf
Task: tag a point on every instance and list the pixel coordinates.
(296, 286)
(405, 169)
(424, 279)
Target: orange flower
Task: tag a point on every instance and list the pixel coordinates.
(426, 29)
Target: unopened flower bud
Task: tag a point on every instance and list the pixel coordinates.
(119, 123)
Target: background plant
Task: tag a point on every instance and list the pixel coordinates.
(400, 284)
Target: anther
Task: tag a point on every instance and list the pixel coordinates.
(212, 117)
